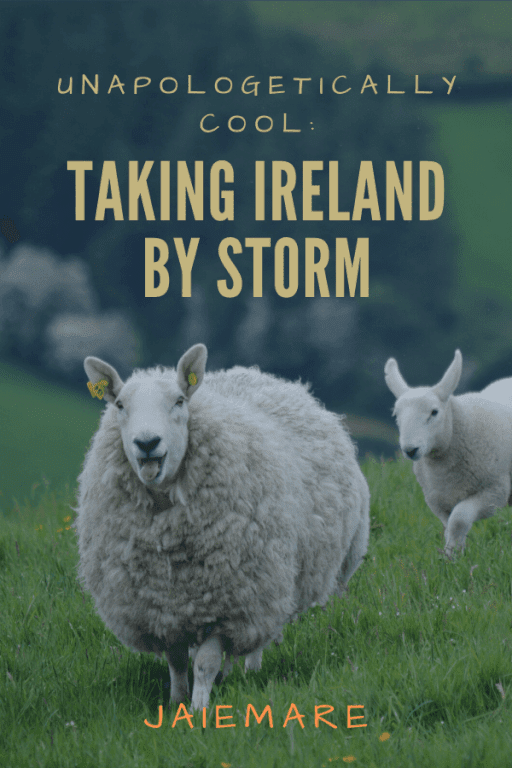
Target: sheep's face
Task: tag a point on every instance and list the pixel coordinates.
(152, 412)
(153, 419)
(424, 422)
(423, 414)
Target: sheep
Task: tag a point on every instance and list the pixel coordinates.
(208, 521)
(500, 391)
(461, 447)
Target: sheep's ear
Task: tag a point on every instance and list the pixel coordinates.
(450, 379)
(394, 378)
(191, 369)
(98, 371)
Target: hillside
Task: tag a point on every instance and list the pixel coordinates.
(417, 37)
(46, 429)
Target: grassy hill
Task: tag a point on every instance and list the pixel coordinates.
(475, 140)
(417, 37)
(45, 431)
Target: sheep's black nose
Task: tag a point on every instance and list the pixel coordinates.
(147, 446)
(412, 452)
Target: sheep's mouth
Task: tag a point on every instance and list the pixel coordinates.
(151, 467)
(147, 459)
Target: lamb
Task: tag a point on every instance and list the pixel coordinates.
(461, 447)
(208, 521)
(500, 391)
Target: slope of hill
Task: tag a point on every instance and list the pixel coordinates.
(45, 430)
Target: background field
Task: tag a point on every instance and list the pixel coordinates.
(46, 429)
(475, 142)
(422, 643)
(428, 34)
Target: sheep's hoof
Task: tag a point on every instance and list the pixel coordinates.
(454, 550)
(200, 699)
(228, 667)
(253, 660)
(183, 699)
(452, 553)
(172, 702)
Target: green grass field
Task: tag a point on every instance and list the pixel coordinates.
(46, 429)
(444, 35)
(422, 18)
(424, 644)
(475, 142)
(472, 142)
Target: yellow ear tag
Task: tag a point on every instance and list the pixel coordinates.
(192, 379)
(98, 389)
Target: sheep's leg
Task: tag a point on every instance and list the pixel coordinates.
(206, 666)
(437, 505)
(228, 665)
(442, 514)
(192, 652)
(354, 556)
(253, 660)
(177, 658)
(465, 513)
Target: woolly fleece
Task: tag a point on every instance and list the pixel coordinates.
(268, 509)
(461, 446)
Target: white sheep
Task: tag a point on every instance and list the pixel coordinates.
(213, 520)
(461, 447)
(500, 391)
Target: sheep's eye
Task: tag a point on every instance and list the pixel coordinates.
(434, 412)
(119, 405)
(180, 401)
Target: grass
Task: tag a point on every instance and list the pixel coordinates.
(424, 644)
(474, 139)
(421, 18)
(471, 140)
(33, 449)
